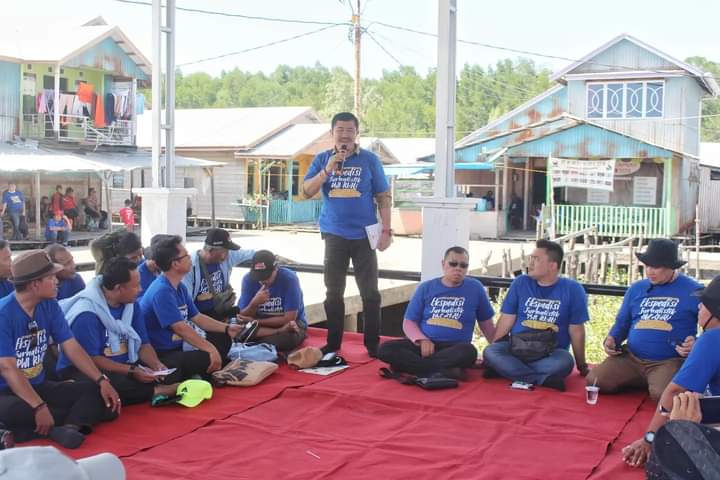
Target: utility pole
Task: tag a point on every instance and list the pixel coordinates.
(358, 33)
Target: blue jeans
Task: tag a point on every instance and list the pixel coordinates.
(15, 220)
(498, 357)
(57, 237)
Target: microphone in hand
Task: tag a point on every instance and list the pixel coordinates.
(338, 165)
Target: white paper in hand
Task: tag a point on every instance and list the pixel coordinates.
(374, 232)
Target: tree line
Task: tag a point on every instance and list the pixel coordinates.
(401, 102)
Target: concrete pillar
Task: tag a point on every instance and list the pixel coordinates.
(163, 211)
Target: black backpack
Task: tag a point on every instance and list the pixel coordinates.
(684, 450)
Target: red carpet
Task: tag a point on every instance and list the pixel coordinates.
(358, 425)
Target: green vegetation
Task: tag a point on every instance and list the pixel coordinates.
(400, 103)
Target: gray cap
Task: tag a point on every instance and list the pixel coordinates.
(23, 463)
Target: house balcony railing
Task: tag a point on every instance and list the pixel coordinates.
(77, 129)
(612, 221)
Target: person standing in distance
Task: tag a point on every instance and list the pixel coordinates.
(354, 188)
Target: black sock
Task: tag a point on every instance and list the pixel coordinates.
(555, 382)
(66, 437)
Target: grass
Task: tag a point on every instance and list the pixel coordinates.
(602, 316)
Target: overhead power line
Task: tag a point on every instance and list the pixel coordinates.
(264, 45)
(234, 15)
(377, 42)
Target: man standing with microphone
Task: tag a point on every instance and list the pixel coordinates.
(354, 188)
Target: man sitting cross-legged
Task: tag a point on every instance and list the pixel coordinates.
(175, 327)
(658, 318)
(108, 323)
(272, 295)
(29, 403)
(546, 313)
(439, 323)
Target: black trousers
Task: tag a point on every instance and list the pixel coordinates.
(130, 390)
(220, 340)
(188, 364)
(70, 403)
(404, 356)
(338, 253)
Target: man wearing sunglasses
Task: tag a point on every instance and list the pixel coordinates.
(546, 313)
(6, 286)
(176, 328)
(31, 405)
(439, 323)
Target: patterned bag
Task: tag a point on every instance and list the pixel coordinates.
(244, 373)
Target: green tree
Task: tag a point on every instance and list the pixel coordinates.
(710, 106)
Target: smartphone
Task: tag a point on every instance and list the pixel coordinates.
(522, 386)
(710, 408)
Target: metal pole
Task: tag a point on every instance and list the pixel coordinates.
(445, 103)
(170, 95)
(38, 218)
(56, 102)
(212, 198)
(156, 91)
(697, 241)
(526, 192)
(358, 34)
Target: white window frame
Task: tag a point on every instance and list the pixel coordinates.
(624, 100)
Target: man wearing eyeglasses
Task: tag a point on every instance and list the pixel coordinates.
(546, 314)
(31, 405)
(6, 286)
(354, 188)
(209, 280)
(439, 323)
(69, 281)
(176, 328)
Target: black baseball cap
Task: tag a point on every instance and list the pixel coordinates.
(263, 265)
(710, 296)
(220, 238)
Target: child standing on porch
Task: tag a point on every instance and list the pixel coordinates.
(127, 216)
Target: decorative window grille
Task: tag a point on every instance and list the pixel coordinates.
(626, 99)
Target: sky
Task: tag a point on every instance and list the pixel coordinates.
(565, 28)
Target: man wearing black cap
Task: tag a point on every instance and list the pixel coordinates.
(209, 280)
(700, 373)
(658, 318)
(272, 295)
(31, 404)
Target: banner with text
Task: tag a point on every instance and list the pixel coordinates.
(594, 174)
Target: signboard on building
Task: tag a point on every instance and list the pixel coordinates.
(598, 196)
(644, 190)
(594, 174)
(407, 191)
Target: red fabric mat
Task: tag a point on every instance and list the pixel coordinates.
(361, 426)
(613, 467)
(141, 427)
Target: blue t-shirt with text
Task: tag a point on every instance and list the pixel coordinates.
(6, 288)
(216, 277)
(90, 332)
(701, 370)
(14, 201)
(17, 341)
(68, 288)
(285, 295)
(655, 318)
(146, 278)
(162, 306)
(538, 308)
(348, 196)
(448, 314)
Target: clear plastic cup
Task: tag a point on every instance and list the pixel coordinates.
(591, 394)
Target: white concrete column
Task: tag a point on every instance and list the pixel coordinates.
(446, 223)
(163, 211)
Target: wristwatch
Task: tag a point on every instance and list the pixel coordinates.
(649, 437)
(102, 378)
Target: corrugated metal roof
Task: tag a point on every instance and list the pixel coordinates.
(409, 150)
(710, 154)
(308, 138)
(31, 158)
(228, 128)
(58, 43)
(625, 57)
